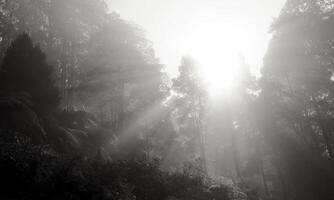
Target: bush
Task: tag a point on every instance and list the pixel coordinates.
(36, 172)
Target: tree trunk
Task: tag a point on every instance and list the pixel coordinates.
(266, 189)
(283, 184)
(199, 127)
(235, 155)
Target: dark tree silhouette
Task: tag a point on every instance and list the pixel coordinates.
(24, 69)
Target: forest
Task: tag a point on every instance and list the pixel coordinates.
(88, 111)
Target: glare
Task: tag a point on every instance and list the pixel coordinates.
(215, 47)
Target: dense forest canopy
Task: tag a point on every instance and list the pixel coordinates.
(87, 110)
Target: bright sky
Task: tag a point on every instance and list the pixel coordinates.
(177, 27)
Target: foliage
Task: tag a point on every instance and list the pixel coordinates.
(189, 104)
(296, 100)
(36, 172)
(89, 119)
(24, 69)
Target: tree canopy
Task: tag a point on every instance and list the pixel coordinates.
(88, 112)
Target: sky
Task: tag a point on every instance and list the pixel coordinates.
(199, 27)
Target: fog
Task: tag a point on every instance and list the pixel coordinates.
(166, 100)
(169, 24)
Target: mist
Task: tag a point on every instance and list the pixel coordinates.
(177, 100)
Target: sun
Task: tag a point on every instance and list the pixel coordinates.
(215, 47)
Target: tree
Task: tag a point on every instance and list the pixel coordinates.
(24, 69)
(297, 98)
(61, 28)
(190, 105)
(122, 70)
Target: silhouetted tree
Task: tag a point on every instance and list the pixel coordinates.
(24, 69)
(61, 33)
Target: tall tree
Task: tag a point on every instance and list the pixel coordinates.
(122, 70)
(297, 98)
(190, 104)
(25, 69)
(62, 28)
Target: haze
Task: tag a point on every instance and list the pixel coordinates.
(87, 110)
(168, 24)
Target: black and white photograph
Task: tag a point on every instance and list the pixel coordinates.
(166, 99)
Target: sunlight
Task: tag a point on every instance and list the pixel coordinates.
(216, 49)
